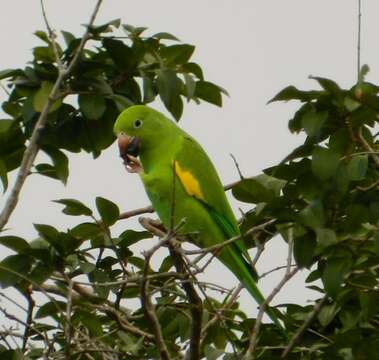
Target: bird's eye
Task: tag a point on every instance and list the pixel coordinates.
(137, 123)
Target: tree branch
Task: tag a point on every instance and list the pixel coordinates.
(300, 331)
(287, 276)
(33, 147)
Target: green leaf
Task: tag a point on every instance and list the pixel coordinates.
(51, 308)
(165, 36)
(13, 269)
(357, 167)
(292, 93)
(90, 320)
(14, 242)
(312, 122)
(177, 54)
(108, 211)
(60, 162)
(122, 102)
(130, 237)
(324, 162)
(122, 55)
(334, 274)
(7, 73)
(212, 353)
(193, 68)
(4, 175)
(107, 27)
(326, 237)
(327, 314)
(328, 85)
(74, 207)
(42, 95)
(149, 92)
(313, 214)
(49, 233)
(68, 37)
(85, 231)
(209, 92)
(304, 249)
(92, 106)
(169, 88)
(252, 191)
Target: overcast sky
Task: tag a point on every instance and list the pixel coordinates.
(252, 48)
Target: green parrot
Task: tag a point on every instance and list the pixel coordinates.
(182, 183)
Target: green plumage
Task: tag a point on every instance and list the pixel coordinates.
(182, 183)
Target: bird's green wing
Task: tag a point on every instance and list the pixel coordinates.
(200, 180)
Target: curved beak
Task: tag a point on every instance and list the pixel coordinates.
(127, 145)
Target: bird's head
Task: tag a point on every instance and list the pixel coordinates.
(139, 128)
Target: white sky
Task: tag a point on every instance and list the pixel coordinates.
(252, 48)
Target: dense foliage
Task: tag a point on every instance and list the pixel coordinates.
(323, 199)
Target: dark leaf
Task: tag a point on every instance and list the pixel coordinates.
(130, 237)
(14, 242)
(209, 92)
(334, 274)
(324, 162)
(165, 36)
(13, 269)
(74, 207)
(177, 54)
(108, 211)
(304, 248)
(357, 167)
(92, 106)
(313, 215)
(292, 93)
(60, 162)
(3, 175)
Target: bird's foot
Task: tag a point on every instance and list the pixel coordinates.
(133, 165)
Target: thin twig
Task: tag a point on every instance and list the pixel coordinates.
(29, 317)
(68, 328)
(140, 211)
(149, 308)
(33, 147)
(52, 37)
(194, 300)
(237, 166)
(219, 313)
(250, 353)
(300, 331)
(367, 146)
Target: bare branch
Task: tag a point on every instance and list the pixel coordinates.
(250, 353)
(194, 300)
(367, 146)
(149, 309)
(33, 147)
(67, 348)
(29, 317)
(140, 211)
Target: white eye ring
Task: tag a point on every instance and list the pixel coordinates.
(137, 123)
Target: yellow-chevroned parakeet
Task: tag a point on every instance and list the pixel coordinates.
(164, 150)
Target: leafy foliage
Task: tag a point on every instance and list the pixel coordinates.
(322, 199)
(115, 72)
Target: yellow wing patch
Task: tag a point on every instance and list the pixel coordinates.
(189, 182)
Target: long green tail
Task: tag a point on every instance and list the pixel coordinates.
(232, 257)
